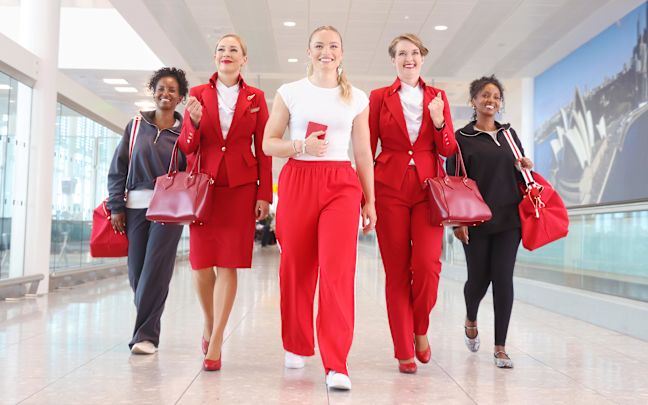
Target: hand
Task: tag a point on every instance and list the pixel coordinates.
(436, 107)
(461, 233)
(261, 210)
(118, 221)
(526, 163)
(368, 218)
(314, 146)
(195, 110)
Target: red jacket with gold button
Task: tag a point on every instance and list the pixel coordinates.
(235, 152)
(387, 123)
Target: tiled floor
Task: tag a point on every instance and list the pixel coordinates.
(71, 347)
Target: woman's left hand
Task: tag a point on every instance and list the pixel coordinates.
(261, 210)
(436, 107)
(368, 218)
(526, 163)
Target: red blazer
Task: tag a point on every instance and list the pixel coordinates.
(387, 123)
(248, 123)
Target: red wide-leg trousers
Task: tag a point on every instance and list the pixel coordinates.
(317, 229)
(410, 248)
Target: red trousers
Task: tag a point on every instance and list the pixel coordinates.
(317, 228)
(410, 248)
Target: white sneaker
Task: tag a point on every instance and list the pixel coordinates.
(338, 381)
(144, 347)
(292, 360)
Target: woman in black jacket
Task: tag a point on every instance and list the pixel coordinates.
(490, 248)
(151, 246)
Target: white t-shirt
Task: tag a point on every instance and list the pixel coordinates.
(307, 102)
(227, 97)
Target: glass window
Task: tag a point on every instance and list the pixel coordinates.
(15, 118)
(83, 151)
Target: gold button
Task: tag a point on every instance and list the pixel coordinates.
(410, 152)
(188, 140)
(223, 149)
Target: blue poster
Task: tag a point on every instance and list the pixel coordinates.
(591, 117)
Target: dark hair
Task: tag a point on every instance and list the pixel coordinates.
(177, 74)
(477, 85)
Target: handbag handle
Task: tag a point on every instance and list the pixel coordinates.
(173, 164)
(459, 163)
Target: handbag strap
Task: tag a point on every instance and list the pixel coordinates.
(137, 120)
(526, 173)
(173, 164)
(459, 164)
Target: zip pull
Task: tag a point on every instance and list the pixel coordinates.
(157, 136)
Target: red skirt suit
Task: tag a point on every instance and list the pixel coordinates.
(241, 178)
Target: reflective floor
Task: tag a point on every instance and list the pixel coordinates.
(71, 347)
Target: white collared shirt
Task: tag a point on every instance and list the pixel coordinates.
(412, 102)
(227, 97)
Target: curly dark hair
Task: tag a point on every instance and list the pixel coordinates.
(176, 73)
(477, 85)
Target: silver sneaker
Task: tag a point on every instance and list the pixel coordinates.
(471, 343)
(503, 362)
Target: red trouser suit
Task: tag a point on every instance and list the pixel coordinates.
(317, 228)
(409, 245)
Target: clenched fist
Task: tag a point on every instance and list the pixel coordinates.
(195, 110)
(436, 107)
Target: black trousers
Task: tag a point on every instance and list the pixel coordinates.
(152, 250)
(491, 258)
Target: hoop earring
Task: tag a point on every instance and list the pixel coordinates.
(474, 115)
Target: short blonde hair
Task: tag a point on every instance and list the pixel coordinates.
(413, 38)
(236, 37)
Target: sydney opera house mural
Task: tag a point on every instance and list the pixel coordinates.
(591, 117)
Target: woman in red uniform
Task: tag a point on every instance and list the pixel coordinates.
(319, 204)
(222, 119)
(412, 121)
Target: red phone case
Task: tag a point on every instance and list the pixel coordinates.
(314, 127)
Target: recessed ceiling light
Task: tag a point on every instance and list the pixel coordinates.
(126, 89)
(145, 104)
(115, 81)
(4, 87)
(407, 17)
(440, 27)
(293, 60)
(289, 23)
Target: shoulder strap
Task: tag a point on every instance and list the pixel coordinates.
(131, 144)
(526, 173)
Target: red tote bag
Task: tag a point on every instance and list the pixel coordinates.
(456, 200)
(543, 214)
(104, 241)
(181, 198)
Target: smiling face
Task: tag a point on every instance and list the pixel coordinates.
(325, 50)
(488, 100)
(408, 61)
(230, 56)
(167, 93)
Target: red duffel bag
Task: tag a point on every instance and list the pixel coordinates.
(181, 198)
(104, 241)
(543, 214)
(455, 200)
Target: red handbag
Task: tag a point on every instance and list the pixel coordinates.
(181, 197)
(104, 241)
(543, 214)
(456, 200)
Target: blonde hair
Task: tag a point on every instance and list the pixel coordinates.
(346, 91)
(413, 38)
(236, 37)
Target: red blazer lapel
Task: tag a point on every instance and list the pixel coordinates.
(426, 120)
(242, 105)
(210, 102)
(392, 100)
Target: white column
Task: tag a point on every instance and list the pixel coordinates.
(528, 137)
(39, 27)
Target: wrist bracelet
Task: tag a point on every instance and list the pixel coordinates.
(303, 148)
(295, 147)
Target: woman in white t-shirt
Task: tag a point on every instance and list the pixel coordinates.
(319, 204)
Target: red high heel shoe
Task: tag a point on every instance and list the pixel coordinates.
(205, 345)
(424, 356)
(211, 365)
(407, 368)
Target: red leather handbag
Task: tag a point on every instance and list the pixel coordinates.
(456, 200)
(543, 214)
(181, 197)
(104, 241)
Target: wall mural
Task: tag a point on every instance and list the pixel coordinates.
(591, 117)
